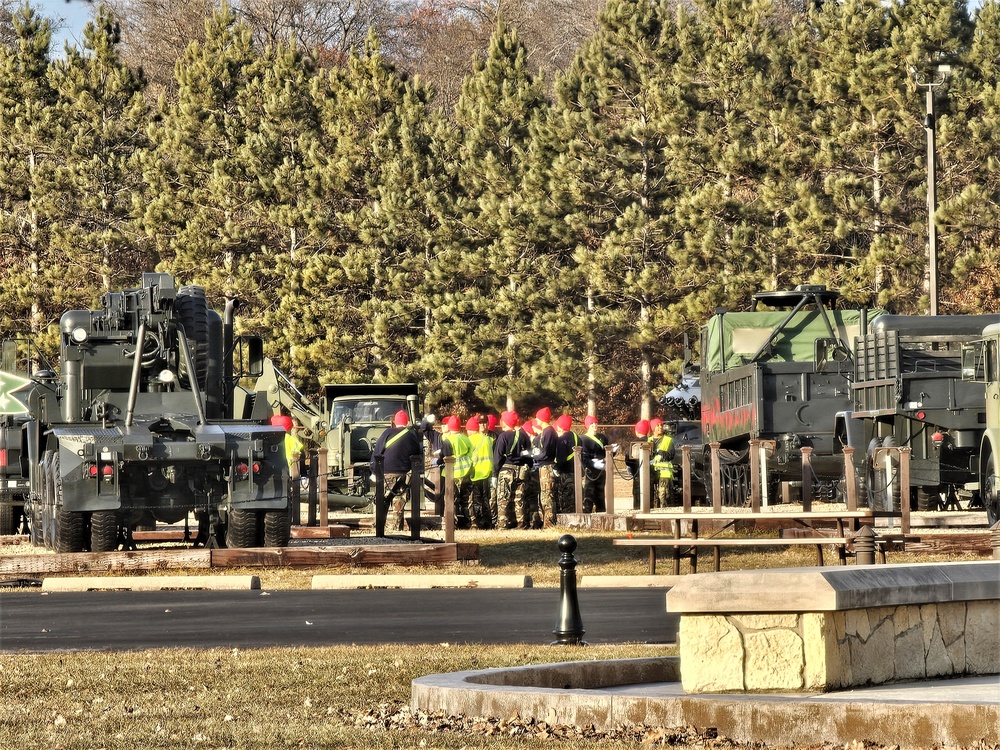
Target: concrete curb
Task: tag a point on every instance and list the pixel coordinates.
(630, 582)
(152, 583)
(607, 694)
(442, 581)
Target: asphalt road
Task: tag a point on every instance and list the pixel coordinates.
(124, 620)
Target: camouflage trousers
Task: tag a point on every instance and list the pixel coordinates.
(547, 495)
(396, 486)
(479, 504)
(661, 488)
(593, 491)
(510, 498)
(530, 496)
(564, 491)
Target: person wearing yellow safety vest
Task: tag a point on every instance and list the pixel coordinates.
(594, 470)
(661, 466)
(293, 446)
(563, 474)
(482, 470)
(455, 443)
(397, 447)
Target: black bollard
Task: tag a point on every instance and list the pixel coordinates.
(864, 546)
(569, 629)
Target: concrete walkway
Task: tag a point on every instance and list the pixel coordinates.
(951, 713)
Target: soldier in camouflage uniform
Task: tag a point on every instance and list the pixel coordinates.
(544, 454)
(511, 453)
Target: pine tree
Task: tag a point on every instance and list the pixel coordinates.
(488, 292)
(87, 189)
(616, 119)
(27, 105)
(969, 201)
(197, 209)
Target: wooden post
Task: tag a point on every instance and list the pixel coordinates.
(686, 471)
(295, 497)
(716, 478)
(449, 499)
(416, 490)
(578, 477)
(904, 490)
(609, 480)
(754, 456)
(850, 479)
(807, 485)
(324, 486)
(381, 511)
(644, 488)
(312, 489)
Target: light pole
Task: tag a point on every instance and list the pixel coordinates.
(938, 77)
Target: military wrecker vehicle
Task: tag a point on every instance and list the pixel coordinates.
(137, 428)
(778, 376)
(909, 391)
(347, 423)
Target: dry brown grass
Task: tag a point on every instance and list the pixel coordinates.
(269, 698)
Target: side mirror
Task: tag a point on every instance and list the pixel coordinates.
(252, 354)
(970, 363)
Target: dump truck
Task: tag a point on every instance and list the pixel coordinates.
(347, 422)
(137, 428)
(779, 376)
(909, 390)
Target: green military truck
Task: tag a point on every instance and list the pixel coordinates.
(910, 390)
(137, 428)
(347, 423)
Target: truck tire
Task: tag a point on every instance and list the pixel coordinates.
(191, 311)
(991, 492)
(103, 531)
(243, 529)
(9, 516)
(35, 525)
(277, 528)
(68, 526)
(929, 498)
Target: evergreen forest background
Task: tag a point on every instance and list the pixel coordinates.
(544, 232)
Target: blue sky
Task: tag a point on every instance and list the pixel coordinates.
(74, 14)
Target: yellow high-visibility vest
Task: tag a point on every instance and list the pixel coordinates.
(482, 456)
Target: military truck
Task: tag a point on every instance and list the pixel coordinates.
(137, 428)
(780, 376)
(348, 422)
(909, 391)
(13, 417)
(987, 366)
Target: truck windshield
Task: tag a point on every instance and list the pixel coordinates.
(367, 410)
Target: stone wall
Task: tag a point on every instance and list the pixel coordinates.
(820, 651)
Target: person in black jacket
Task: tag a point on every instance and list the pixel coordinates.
(397, 446)
(594, 456)
(511, 455)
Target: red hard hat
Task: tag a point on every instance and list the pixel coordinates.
(472, 425)
(452, 423)
(642, 427)
(283, 421)
(565, 423)
(401, 419)
(509, 418)
(491, 422)
(589, 420)
(544, 415)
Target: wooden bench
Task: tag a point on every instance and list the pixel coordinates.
(689, 547)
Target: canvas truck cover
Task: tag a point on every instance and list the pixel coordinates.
(734, 337)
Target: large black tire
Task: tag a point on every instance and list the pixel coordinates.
(68, 526)
(243, 529)
(35, 525)
(991, 492)
(928, 498)
(104, 531)
(277, 528)
(9, 517)
(191, 311)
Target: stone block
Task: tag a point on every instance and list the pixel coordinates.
(712, 655)
(775, 661)
(982, 638)
(908, 654)
(820, 651)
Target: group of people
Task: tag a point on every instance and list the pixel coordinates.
(514, 474)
